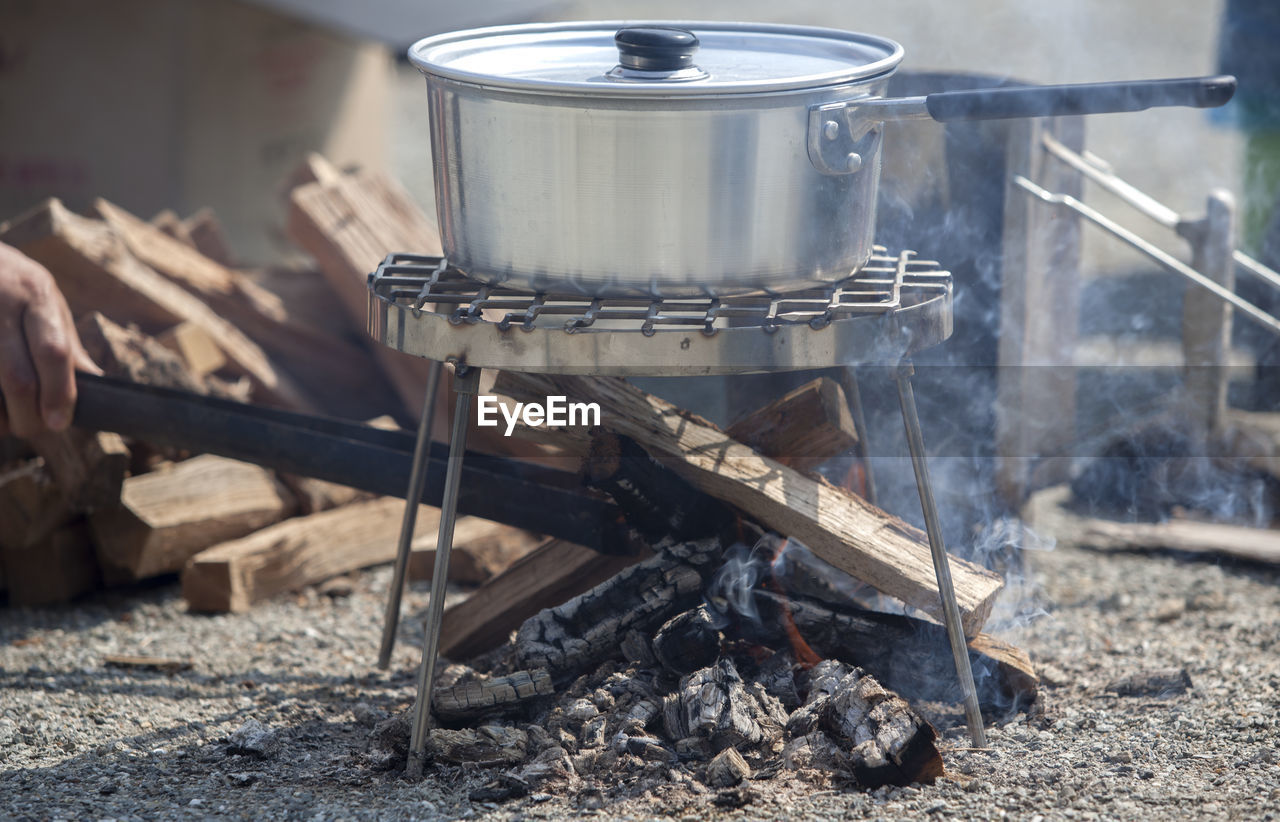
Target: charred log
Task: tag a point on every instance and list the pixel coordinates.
(571, 638)
(908, 655)
(480, 697)
(688, 641)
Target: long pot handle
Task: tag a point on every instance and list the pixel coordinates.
(837, 147)
(1083, 98)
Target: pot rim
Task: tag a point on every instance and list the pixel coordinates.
(431, 56)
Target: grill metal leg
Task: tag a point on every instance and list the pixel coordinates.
(412, 498)
(950, 610)
(849, 382)
(466, 383)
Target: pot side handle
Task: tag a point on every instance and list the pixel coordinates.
(1083, 98)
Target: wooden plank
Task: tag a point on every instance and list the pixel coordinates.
(801, 429)
(1048, 513)
(836, 525)
(171, 514)
(297, 552)
(481, 550)
(546, 577)
(170, 223)
(1206, 319)
(97, 272)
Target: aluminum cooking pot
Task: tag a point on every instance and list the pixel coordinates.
(611, 158)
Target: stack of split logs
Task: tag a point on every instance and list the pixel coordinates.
(161, 302)
(728, 635)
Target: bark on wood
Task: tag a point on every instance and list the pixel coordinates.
(233, 575)
(132, 355)
(908, 655)
(546, 577)
(801, 429)
(481, 550)
(168, 516)
(837, 526)
(479, 697)
(570, 638)
(89, 466)
(98, 273)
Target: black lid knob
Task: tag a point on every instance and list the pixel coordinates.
(655, 48)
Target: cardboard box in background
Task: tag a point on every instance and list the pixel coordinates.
(158, 104)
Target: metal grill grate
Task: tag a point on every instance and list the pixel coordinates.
(884, 285)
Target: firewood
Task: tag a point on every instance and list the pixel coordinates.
(170, 223)
(834, 524)
(97, 272)
(1047, 511)
(324, 364)
(167, 516)
(852, 724)
(155, 663)
(316, 495)
(546, 577)
(656, 502)
(908, 655)
(53, 569)
(688, 641)
(132, 355)
(481, 550)
(207, 235)
(89, 466)
(801, 429)
(235, 574)
(487, 745)
(479, 697)
(715, 703)
(31, 504)
(198, 350)
(348, 224)
(45, 553)
(569, 638)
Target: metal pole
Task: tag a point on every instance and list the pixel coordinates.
(466, 382)
(941, 566)
(413, 497)
(849, 382)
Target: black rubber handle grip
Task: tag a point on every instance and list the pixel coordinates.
(655, 48)
(1085, 98)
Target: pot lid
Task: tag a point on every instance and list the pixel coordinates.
(656, 59)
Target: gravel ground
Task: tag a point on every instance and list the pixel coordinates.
(84, 741)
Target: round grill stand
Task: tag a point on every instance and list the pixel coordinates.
(893, 307)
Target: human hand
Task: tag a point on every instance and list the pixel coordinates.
(39, 349)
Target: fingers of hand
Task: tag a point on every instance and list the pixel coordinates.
(49, 343)
(18, 381)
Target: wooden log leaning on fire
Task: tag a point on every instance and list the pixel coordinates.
(837, 526)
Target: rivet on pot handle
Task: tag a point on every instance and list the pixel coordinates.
(837, 129)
